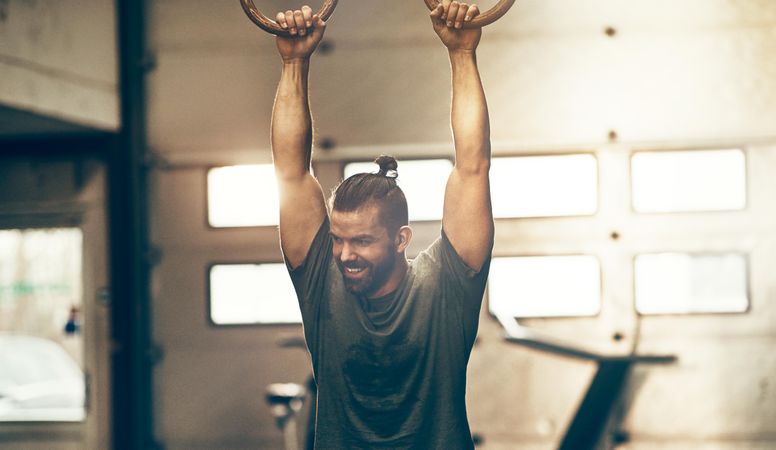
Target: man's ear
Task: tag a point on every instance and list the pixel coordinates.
(403, 238)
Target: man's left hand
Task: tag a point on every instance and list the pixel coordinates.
(448, 19)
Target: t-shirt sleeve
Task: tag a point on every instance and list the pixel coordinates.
(465, 286)
(470, 281)
(309, 278)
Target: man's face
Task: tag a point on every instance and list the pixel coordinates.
(365, 252)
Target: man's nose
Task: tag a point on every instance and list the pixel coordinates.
(347, 253)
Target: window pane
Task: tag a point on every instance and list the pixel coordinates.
(676, 283)
(41, 343)
(252, 293)
(240, 196)
(709, 180)
(423, 183)
(544, 186)
(545, 286)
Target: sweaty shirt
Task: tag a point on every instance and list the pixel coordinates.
(391, 371)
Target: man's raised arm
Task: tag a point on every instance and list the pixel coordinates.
(468, 218)
(302, 205)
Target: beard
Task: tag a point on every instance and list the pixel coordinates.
(372, 277)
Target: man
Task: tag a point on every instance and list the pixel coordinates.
(389, 338)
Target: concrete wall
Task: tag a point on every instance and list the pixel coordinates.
(58, 59)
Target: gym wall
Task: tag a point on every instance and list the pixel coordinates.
(607, 77)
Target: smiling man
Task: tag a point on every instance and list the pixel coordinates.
(389, 338)
(370, 231)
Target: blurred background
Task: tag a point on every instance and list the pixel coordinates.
(631, 302)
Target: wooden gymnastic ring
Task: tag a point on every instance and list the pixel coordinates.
(270, 26)
(486, 18)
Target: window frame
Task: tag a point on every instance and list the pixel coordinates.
(634, 150)
(545, 317)
(747, 274)
(592, 153)
(209, 300)
(71, 217)
(206, 194)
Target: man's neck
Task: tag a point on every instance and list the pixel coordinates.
(397, 275)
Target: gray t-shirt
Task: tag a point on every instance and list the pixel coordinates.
(391, 371)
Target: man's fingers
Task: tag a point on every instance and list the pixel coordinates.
(291, 23)
(462, 9)
(299, 21)
(445, 7)
(307, 15)
(320, 26)
(452, 12)
(280, 18)
(473, 12)
(436, 13)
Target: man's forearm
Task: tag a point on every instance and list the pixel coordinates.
(469, 112)
(291, 131)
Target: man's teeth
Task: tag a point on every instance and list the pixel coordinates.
(353, 269)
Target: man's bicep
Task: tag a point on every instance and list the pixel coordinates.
(468, 218)
(302, 210)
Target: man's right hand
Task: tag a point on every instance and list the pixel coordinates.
(306, 31)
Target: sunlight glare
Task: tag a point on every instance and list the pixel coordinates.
(241, 196)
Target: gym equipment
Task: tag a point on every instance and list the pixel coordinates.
(285, 401)
(303, 395)
(596, 424)
(270, 26)
(485, 18)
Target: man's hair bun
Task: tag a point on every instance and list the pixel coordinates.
(378, 188)
(388, 166)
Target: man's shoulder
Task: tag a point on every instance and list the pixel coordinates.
(430, 256)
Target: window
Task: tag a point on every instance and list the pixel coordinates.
(680, 283)
(544, 186)
(242, 196)
(683, 181)
(545, 286)
(41, 344)
(423, 183)
(252, 294)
